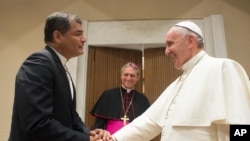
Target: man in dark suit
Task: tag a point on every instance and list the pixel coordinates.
(45, 101)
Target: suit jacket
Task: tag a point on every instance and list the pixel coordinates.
(43, 109)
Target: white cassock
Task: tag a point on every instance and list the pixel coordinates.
(198, 106)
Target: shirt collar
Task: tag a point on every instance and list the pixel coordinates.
(61, 57)
(193, 61)
(126, 89)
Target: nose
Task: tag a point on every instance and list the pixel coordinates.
(167, 51)
(84, 39)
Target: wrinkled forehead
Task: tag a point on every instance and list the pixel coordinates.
(128, 69)
(173, 32)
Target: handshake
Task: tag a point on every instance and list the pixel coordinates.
(100, 135)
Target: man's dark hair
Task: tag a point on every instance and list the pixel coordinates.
(58, 21)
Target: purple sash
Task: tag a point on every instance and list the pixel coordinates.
(114, 125)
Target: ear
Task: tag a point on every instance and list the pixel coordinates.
(191, 41)
(57, 36)
(138, 77)
(191, 38)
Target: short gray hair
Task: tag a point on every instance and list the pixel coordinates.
(132, 65)
(184, 31)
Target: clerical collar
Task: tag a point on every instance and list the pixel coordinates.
(61, 57)
(127, 90)
(190, 63)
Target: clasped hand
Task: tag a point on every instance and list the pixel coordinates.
(100, 135)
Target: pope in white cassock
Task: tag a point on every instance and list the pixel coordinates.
(211, 94)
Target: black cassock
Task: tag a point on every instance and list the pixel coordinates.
(109, 106)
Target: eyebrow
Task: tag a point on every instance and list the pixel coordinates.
(78, 31)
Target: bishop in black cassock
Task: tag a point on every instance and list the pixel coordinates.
(116, 108)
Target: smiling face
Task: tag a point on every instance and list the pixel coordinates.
(129, 77)
(179, 46)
